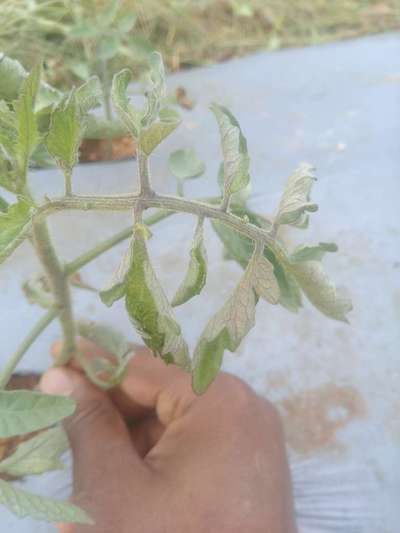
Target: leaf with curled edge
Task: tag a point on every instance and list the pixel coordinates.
(127, 113)
(149, 309)
(234, 148)
(312, 253)
(196, 274)
(151, 136)
(321, 291)
(295, 201)
(116, 287)
(14, 227)
(155, 96)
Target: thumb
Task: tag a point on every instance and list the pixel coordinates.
(105, 461)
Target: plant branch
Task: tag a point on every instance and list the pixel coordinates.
(25, 345)
(145, 189)
(170, 203)
(59, 285)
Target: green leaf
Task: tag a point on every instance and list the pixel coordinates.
(108, 47)
(152, 136)
(65, 134)
(84, 30)
(320, 290)
(129, 116)
(101, 128)
(27, 128)
(7, 176)
(186, 164)
(25, 504)
(8, 129)
(13, 227)
(239, 198)
(88, 95)
(239, 248)
(37, 455)
(3, 204)
(225, 331)
(108, 14)
(295, 202)
(139, 48)
(107, 371)
(157, 91)
(196, 275)
(149, 309)
(312, 253)
(12, 74)
(27, 411)
(264, 280)
(116, 287)
(81, 70)
(234, 149)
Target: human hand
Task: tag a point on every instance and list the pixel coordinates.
(153, 457)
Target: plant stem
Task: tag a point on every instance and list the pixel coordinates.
(172, 203)
(145, 189)
(106, 245)
(68, 182)
(25, 345)
(59, 285)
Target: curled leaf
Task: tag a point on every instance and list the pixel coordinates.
(234, 149)
(156, 94)
(15, 224)
(154, 134)
(320, 290)
(128, 114)
(264, 280)
(196, 274)
(312, 253)
(295, 201)
(116, 287)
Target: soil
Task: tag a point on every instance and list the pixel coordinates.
(116, 149)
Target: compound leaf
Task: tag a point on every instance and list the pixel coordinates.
(295, 201)
(37, 455)
(196, 274)
(264, 280)
(27, 411)
(25, 504)
(234, 149)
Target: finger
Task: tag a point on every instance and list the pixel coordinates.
(145, 434)
(106, 466)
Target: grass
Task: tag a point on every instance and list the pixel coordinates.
(190, 32)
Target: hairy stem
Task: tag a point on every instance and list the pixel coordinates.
(171, 203)
(59, 285)
(68, 182)
(25, 345)
(145, 189)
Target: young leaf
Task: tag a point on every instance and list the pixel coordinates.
(25, 504)
(8, 129)
(295, 201)
(3, 204)
(129, 116)
(65, 134)
(186, 164)
(224, 331)
(14, 227)
(234, 148)
(196, 275)
(149, 309)
(27, 128)
(321, 292)
(312, 253)
(116, 288)
(153, 135)
(26, 411)
(37, 455)
(157, 91)
(88, 95)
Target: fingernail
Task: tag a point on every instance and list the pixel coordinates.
(56, 381)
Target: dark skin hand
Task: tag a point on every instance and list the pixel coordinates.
(152, 457)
